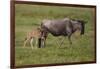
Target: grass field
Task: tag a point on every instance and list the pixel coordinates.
(30, 16)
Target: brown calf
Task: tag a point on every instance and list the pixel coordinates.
(35, 34)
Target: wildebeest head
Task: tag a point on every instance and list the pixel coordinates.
(42, 38)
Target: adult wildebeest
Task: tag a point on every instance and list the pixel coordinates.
(61, 27)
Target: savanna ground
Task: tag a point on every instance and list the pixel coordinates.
(28, 17)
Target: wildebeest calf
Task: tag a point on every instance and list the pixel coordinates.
(34, 35)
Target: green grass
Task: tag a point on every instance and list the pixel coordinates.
(30, 16)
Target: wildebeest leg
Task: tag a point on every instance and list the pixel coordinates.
(62, 41)
(57, 40)
(39, 43)
(31, 43)
(42, 43)
(36, 42)
(25, 42)
(69, 38)
(43, 40)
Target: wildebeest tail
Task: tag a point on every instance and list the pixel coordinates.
(82, 28)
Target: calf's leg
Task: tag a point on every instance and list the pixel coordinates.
(31, 43)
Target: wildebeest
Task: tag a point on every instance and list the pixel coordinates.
(34, 35)
(61, 27)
